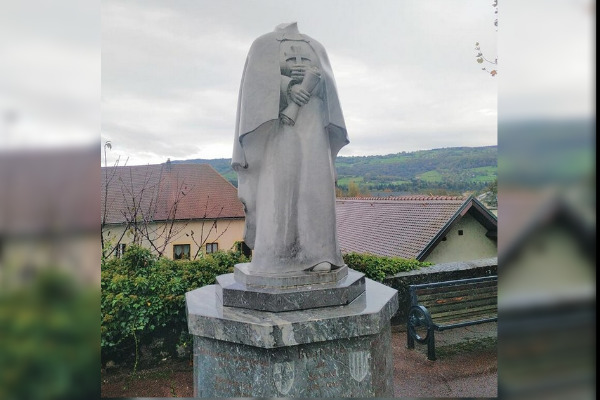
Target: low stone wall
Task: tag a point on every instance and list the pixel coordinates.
(436, 273)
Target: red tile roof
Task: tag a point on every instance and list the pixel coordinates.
(394, 226)
(527, 211)
(49, 193)
(408, 197)
(185, 191)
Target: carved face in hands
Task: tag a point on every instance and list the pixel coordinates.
(298, 57)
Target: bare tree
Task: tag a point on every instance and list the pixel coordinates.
(144, 198)
(109, 177)
(480, 57)
(160, 233)
(203, 239)
(140, 206)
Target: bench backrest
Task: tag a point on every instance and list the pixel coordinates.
(454, 302)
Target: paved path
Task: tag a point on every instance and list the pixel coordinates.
(466, 364)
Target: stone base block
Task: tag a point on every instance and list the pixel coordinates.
(244, 276)
(342, 292)
(353, 367)
(340, 351)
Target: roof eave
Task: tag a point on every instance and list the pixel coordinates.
(445, 229)
(161, 221)
(487, 219)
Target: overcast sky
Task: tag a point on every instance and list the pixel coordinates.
(405, 72)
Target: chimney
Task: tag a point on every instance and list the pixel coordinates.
(168, 163)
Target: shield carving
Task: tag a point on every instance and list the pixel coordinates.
(359, 364)
(283, 374)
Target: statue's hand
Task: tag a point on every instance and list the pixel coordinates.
(298, 72)
(298, 95)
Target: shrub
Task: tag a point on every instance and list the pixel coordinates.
(379, 267)
(49, 339)
(142, 294)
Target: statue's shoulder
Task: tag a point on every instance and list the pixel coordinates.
(314, 43)
(265, 45)
(266, 38)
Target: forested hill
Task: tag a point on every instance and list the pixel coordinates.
(437, 171)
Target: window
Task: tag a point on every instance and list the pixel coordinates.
(444, 239)
(181, 252)
(120, 250)
(212, 247)
(243, 248)
(460, 232)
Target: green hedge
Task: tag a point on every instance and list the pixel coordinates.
(49, 339)
(142, 294)
(378, 267)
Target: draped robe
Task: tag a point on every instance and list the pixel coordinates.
(286, 174)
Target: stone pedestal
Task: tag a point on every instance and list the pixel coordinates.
(233, 292)
(329, 351)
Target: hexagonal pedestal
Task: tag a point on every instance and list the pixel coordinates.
(338, 351)
(277, 299)
(244, 275)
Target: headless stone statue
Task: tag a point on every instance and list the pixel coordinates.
(289, 130)
(299, 322)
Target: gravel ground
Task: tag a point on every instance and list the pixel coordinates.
(466, 365)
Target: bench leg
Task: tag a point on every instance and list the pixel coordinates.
(430, 345)
(410, 341)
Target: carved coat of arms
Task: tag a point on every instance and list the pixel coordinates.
(359, 364)
(283, 375)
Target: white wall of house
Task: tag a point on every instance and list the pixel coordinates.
(471, 245)
(78, 255)
(550, 264)
(224, 232)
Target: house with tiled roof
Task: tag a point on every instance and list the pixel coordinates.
(437, 229)
(548, 247)
(49, 214)
(175, 210)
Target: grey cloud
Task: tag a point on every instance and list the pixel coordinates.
(173, 70)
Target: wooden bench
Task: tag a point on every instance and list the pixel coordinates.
(452, 304)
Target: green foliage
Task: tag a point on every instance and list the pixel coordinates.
(492, 198)
(347, 180)
(454, 170)
(354, 190)
(139, 257)
(378, 268)
(142, 293)
(538, 153)
(431, 176)
(49, 340)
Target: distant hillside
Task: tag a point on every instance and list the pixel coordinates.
(537, 152)
(438, 171)
(222, 165)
